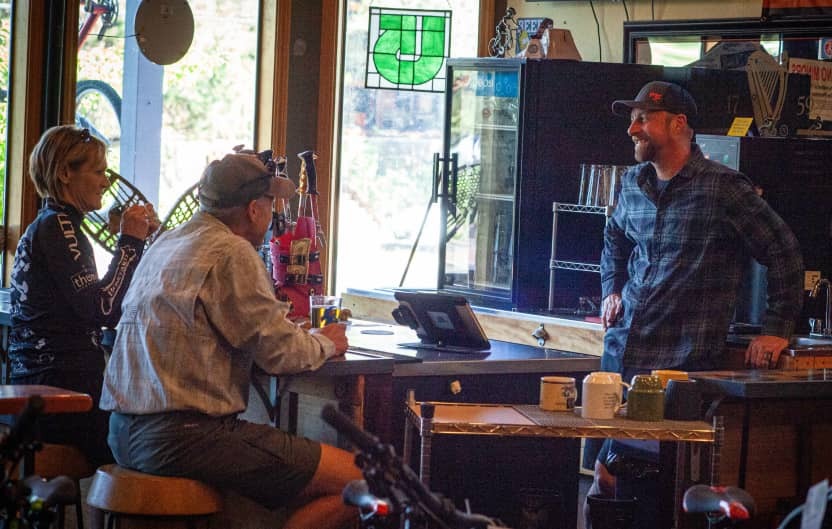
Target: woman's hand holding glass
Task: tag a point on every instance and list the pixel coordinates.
(139, 221)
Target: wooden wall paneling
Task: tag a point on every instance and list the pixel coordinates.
(26, 73)
(272, 97)
(265, 89)
(491, 11)
(27, 77)
(328, 116)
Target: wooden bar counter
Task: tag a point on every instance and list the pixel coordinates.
(778, 424)
(563, 333)
(371, 384)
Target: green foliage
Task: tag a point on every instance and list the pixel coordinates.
(202, 90)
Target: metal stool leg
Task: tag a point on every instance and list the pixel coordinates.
(427, 410)
(79, 511)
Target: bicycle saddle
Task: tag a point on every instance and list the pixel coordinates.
(732, 502)
(56, 491)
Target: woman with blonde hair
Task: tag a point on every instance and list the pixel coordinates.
(59, 304)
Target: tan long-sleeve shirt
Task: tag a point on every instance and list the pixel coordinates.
(200, 310)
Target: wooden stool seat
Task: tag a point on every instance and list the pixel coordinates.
(62, 460)
(54, 460)
(122, 491)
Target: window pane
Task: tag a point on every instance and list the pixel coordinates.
(386, 148)
(173, 119)
(675, 52)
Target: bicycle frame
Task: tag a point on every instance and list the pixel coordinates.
(107, 11)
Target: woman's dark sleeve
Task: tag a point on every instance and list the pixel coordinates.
(71, 264)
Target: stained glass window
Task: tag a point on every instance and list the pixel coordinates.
(407, 49)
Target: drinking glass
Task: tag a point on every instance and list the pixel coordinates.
(324, 310)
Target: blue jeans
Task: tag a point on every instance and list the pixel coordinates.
(255, 460)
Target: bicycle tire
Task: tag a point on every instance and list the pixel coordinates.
(98, 108)
(494, 48)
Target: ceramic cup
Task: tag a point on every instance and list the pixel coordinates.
(669, 374)
(617, 378)
(682, 401)
(645, 400)
(557, 393)
(601, 395)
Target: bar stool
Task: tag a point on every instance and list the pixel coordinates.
(64, 460)
(134, 496)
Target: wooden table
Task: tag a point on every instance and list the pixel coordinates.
(531, 421)
(13, 400)
(56, 400)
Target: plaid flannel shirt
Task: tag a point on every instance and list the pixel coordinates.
(677, 257)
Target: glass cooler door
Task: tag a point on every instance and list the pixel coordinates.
(481, 135)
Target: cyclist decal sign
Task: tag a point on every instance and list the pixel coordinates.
(407, 49)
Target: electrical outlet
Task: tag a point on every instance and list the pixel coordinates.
(810, 277)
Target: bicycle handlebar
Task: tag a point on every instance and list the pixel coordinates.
(396, 480)
(732, 502)
(362, 440)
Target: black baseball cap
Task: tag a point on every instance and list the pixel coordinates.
(658, 95)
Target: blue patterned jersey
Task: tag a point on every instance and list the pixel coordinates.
(58, 302)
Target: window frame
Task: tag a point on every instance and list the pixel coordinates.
(731, 28)
(32, 67)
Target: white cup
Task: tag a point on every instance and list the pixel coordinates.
(618, 380)
(602, 393)
(557, 393)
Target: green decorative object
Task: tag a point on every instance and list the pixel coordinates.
(407, 49)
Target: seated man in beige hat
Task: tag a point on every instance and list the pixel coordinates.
(200, 312)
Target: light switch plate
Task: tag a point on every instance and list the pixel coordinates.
(810, 277)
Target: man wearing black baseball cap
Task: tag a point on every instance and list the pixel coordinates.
(203, 312)
(659, 95)
(677, 246)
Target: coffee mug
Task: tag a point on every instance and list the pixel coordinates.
(617, 378)
(669, 374)
(645, 400)
(557, 393)
(601, 395)
(682, 401)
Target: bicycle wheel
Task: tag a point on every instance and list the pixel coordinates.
(98, 108)
(495, 48)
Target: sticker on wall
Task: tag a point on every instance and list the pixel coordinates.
(526, 27)
(407, 49)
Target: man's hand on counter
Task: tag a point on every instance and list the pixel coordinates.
(764, 351)
(337, 332)
(610, 310)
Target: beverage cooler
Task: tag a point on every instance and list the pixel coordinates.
(479, 203)
(516, 135)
